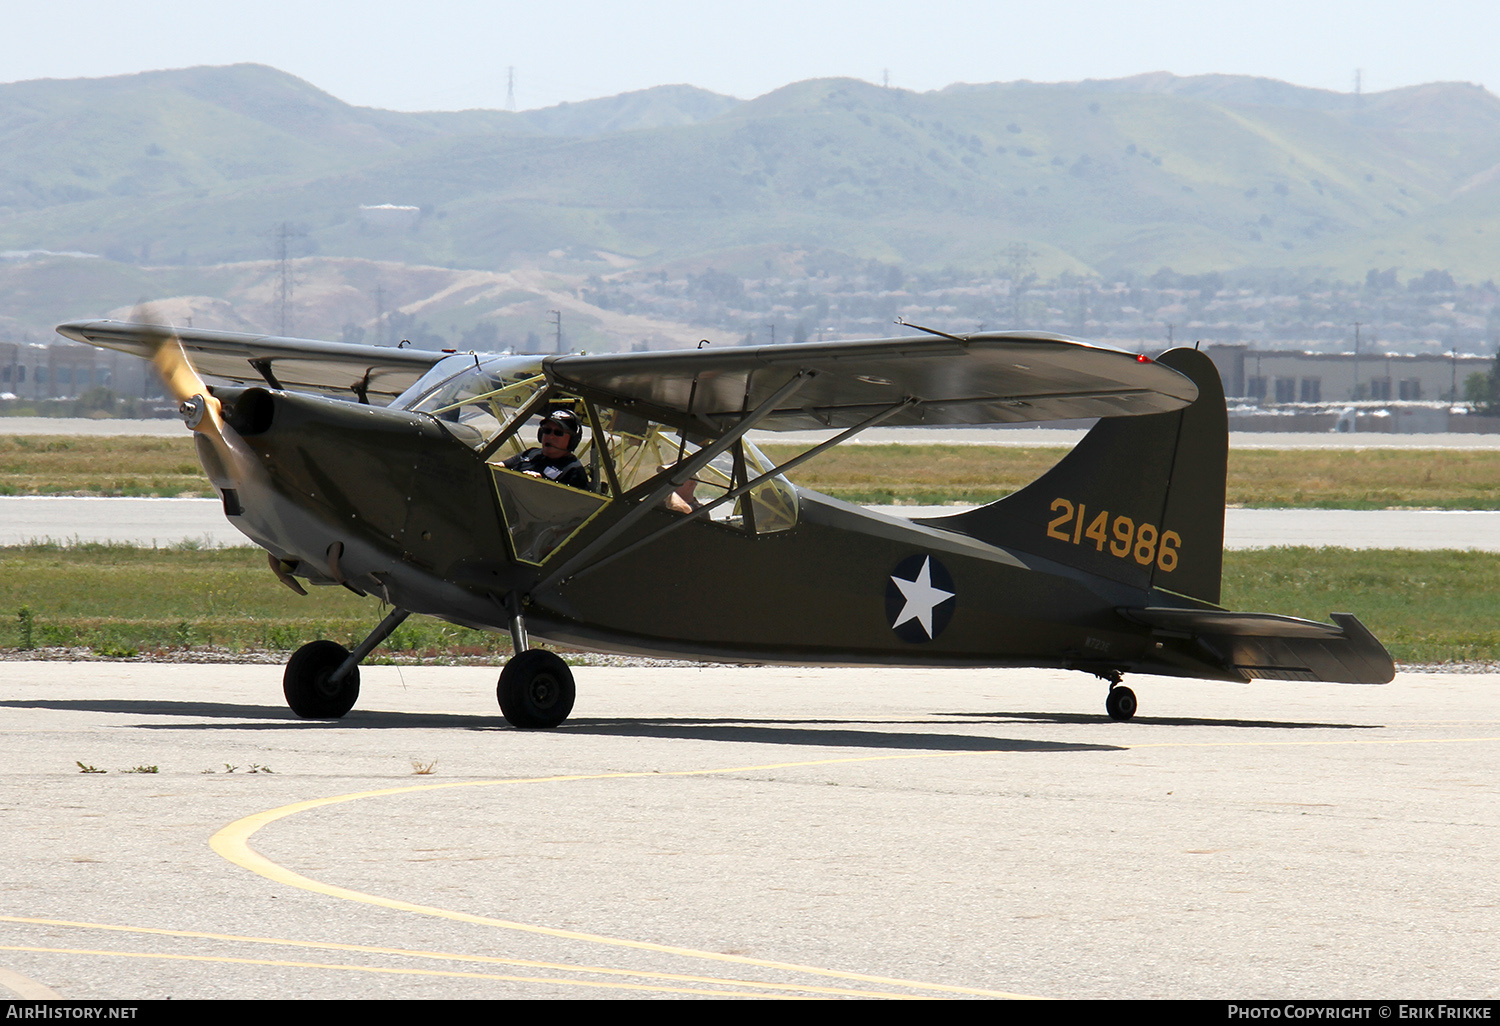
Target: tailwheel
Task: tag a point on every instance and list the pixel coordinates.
(536, 690)
(1120, 703)
(308, 686)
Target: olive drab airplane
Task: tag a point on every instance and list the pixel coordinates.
(615, 503)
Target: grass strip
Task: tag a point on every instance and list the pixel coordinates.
(1428, 607)
(886, 474)
(88, 465)
(121, 600)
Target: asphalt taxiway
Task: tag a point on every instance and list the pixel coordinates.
(766, 832)
(164, 522)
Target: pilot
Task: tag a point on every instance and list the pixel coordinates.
(559, 435)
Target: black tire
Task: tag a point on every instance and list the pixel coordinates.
(1120, 704)
(308, 690)
(536, 690)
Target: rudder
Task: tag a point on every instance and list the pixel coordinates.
(1139, 500)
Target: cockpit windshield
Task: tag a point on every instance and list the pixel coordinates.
(475, 398)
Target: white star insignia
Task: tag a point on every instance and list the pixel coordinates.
(921, 598)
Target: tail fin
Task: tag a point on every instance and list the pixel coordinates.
(1139, 500)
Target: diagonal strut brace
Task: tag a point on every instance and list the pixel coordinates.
(730, 496)
(680, 472)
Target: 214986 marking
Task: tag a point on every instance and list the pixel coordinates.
(1123, 537)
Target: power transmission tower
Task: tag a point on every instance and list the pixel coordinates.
(510, 88)
(287, 281)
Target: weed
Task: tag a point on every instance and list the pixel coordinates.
(85, 768)
(140, 769)
(422, 769)
(27, 620)
(110, 650)
(281, 638)
(229, 769)
(256, 767)
(57, 636)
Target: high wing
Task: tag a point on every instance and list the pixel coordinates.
(999, 377)
(367, 373)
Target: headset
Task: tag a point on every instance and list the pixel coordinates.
(568, 421)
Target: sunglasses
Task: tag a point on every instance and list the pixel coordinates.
(554, 431)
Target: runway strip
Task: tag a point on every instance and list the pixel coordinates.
(746, 831)
(232, 843)
(1020, 437)
(201, 522)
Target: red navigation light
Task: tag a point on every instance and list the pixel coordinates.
(1142, 358)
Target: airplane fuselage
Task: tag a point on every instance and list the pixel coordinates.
(388, 503)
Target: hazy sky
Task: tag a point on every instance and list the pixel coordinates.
(453, 54)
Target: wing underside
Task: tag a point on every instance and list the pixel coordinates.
(979, 379)
(369, 373)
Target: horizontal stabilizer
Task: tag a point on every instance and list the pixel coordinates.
(1277, 647)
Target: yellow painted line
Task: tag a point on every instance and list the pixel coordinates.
(597, 984)
(446, 956)
(26, 989)
(232, 842)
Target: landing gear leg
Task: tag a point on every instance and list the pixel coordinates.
(518, 640)
(1120, 702)
(536, 687)
(322, 678)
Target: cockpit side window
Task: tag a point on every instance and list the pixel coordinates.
(640, 449)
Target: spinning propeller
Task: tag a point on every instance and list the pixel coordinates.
(220, 448)
(222, 452)
(200, 410)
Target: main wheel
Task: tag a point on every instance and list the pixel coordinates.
(536, 690)
(1120, 704)
(306, 685)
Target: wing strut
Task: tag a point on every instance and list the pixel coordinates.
(263, 368)
(680, 472)
(730, 496)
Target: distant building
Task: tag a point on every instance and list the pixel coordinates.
(390, 215)
(1287, 376)
(29, 370)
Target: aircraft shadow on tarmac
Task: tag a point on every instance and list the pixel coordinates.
(787, 731)
(819, 733)
(807, 732)
(283, 717)
(1160, 721)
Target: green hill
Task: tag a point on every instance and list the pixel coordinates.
(1213, 173)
